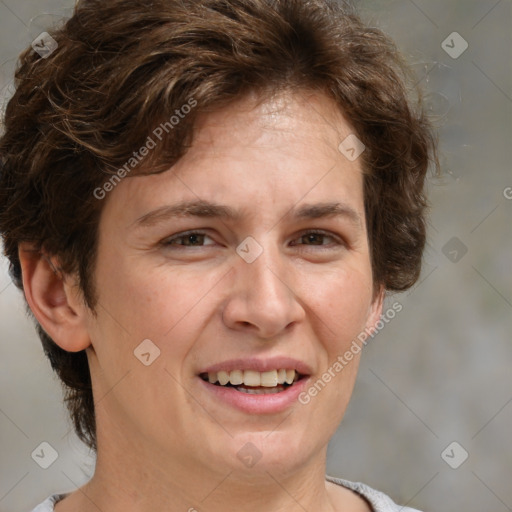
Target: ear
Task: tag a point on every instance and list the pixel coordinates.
(53, 299)
(375, 309)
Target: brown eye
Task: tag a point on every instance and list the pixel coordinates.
(190, 239)
(318, 238)
(314, 238)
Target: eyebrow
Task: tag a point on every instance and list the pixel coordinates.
(207, 209)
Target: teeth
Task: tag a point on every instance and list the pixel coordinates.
(269, 379)
(236, 377)
(259, 391)
(253, 378)
(223, 377)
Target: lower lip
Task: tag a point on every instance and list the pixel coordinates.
(257, 404)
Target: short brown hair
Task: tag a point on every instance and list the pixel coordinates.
(124, 66)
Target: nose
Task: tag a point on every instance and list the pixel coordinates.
(263, 297)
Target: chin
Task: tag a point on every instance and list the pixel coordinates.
(271, 451)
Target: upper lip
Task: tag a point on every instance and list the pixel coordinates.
(260, 365)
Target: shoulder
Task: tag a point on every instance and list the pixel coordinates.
(48, 505)
(379, 501)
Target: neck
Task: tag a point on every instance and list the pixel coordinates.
(130, 477)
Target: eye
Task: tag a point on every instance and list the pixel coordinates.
(317, 237)
(187, 239)
(197, 239)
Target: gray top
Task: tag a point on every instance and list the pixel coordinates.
(378, 500)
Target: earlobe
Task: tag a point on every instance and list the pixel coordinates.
(53, 300)
(376, 309)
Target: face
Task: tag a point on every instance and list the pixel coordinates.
(268, 268)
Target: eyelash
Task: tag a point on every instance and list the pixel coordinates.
(338, 241)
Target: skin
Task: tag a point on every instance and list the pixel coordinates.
(163, 443)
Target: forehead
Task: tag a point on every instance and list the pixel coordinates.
(256, 152)
(293, 118)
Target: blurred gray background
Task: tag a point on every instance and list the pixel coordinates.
(435, 385)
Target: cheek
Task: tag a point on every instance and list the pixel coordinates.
(342, 304)
(142, 299)
(170, 306)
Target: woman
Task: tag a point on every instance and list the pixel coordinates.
(204, 203)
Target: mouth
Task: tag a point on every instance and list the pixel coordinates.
(254, 382)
